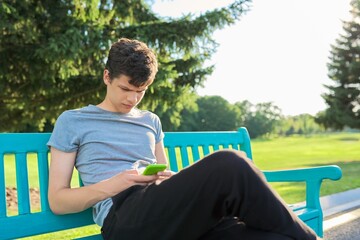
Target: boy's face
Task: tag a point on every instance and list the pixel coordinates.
(121, 96)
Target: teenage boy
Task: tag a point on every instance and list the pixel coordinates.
(222, 196)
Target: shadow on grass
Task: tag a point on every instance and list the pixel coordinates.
(349, 139)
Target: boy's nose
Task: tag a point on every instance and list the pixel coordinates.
(132, 97)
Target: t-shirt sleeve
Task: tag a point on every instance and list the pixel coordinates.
(64, 137)
(159, 132)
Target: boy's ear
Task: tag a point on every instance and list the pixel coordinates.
(106, 77)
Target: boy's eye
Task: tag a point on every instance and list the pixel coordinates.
(124, 89)
(127, 90)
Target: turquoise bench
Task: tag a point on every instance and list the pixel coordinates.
(17, 150)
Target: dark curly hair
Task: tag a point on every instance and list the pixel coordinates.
(133, 59)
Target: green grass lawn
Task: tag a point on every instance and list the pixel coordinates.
(342, 149)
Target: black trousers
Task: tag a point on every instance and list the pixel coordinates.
(222, 196)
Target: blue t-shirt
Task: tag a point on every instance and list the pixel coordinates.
(106, 143)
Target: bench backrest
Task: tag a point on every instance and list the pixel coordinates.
(28, 221)
(183, 148)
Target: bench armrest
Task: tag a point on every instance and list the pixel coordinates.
(312, 176)
(332, 172)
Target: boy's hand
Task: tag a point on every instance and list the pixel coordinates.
(164, 175)
(134, 178)
(126, 179)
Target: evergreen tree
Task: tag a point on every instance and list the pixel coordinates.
(343, 98)
(52, 55)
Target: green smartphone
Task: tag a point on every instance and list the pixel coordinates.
(154, 168)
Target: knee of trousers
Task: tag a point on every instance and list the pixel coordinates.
(227, 161)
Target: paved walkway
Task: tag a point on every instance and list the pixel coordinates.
(340, 202)
(344, 226)
(342, 215)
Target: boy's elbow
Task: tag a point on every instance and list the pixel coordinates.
(56, 211)
(55, 207)
(60, 206)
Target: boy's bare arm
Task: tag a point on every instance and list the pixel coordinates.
(64, 199)
(161, 158)
(160, 153)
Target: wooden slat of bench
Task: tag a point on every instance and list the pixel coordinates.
(42, 222)
(24, 142)
(43, 170)
(2, 187)
(22, 183)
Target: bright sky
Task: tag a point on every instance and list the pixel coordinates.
(277, 52)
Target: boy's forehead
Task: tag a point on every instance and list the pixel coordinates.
(126, 83)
